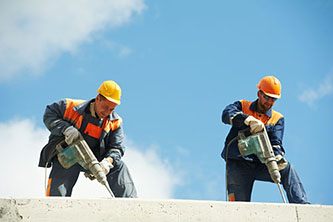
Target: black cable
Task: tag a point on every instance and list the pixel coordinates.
(226, 164)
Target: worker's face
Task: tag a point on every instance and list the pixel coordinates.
(104, 107)
(265, 102)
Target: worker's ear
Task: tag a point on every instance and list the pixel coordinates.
(98, 97)
(258, 93)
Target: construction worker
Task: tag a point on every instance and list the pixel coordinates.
(242, 171)
(101, 128)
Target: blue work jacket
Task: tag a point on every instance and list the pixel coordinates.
(236, 113)
(108, 135)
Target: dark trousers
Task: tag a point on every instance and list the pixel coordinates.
(241, 175)
(62, 180)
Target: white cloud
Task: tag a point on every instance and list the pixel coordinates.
(33, 33)
(311, 95)
(125, 51)
(119, 49)
(20, 144)
(153, 176)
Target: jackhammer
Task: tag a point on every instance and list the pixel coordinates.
(80, 152)
(260, 145)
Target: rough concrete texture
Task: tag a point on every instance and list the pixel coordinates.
(134, 210)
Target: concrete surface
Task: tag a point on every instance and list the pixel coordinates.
(135, 210)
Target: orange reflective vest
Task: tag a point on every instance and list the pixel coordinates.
(60, 115)
(238, 112)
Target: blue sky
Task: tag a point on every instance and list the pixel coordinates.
(179, 63)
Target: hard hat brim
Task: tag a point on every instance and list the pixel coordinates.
(272, 95)
(113, 100)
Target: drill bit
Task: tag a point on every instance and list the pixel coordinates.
(109, 189)
(284, 199)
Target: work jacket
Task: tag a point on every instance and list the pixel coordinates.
(104, 138)
(236, 113)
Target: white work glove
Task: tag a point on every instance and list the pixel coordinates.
(255, 124)
(71, 134)
(281, 162)
(106, 165)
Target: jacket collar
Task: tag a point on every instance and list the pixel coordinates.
(83, 106)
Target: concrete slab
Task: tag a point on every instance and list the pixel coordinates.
(135, 210)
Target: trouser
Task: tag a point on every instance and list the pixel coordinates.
(62, 180)
(241, 175)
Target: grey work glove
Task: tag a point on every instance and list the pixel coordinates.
(255, 124)
(71, 134)
(281, 162)
(106, 165)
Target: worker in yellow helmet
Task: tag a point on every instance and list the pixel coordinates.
(101, 127)
(242, 171)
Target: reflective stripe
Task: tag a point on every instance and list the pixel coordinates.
(71, 115)
(116, 150)
(76, 119)
(111, 125)
(234, 117)
(54, 122)
(276, 116)
(232, 197)
(48, 187)
(93, 131)
(279, 148)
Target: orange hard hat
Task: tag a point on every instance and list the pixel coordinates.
(111, 91)
(271, 86)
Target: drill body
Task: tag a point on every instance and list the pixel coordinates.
(80, 152)
(260, 145)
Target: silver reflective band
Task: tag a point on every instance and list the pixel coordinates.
(54, 122)
(234, 117)
(116, 151)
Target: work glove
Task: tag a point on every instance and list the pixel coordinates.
(255, 124)
(106, 165)
(71, 134)
(281, 162)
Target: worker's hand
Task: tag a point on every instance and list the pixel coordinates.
(71, 134)
(255, 124)
(281, 162)
(106, 165)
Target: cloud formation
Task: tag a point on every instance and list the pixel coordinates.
(33, 33)
(119, 49)
(20, 144)
(154, 177)
(311, 95)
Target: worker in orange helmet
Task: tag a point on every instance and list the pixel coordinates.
(101, 128)
(242, 171)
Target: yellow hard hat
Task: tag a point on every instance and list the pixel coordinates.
(271, 86)
(111, 91)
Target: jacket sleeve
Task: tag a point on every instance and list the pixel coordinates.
(275, 134)
(53, 118)
(115, 145)
(233, 115)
